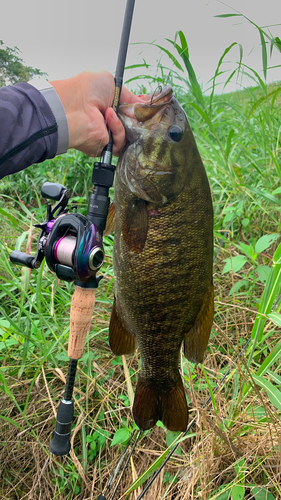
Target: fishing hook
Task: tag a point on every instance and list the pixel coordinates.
(159, 87)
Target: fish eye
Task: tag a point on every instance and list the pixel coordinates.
(175, 132)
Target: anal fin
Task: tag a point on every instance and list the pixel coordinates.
(197, 336)
(121, 341)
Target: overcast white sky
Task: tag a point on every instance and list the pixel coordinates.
(64, 37)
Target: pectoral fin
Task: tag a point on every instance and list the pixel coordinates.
(135, 225)
(121, 341)
(110, 221)
(197, 336)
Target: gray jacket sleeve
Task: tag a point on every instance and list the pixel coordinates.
(29, 131)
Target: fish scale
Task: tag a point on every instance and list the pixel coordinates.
(163, 253)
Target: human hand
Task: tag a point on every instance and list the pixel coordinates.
(86, 99)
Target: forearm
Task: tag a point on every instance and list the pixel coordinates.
(28, 128)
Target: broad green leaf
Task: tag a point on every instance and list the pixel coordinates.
(170, 438)
(160, 424)
(248, 250)
(237, 492)
(262, 494)
(263, 272)
(6, 344)
(239, 468)
(265, 241)
(237, 286)
(4, 324)
(224, 495)
(120, 436)
(235, 264)
(273, 393)
(245, 222)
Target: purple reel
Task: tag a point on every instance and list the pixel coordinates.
(74, 247)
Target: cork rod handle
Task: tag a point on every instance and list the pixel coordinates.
(81, 312)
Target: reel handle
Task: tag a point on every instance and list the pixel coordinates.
(24, 259)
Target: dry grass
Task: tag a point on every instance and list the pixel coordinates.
(225, 434)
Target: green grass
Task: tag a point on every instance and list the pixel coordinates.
(234, 451)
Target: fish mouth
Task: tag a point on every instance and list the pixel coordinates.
(155, 103)
(159, 95)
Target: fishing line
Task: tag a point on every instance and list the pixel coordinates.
(117, 468)
(125, 466)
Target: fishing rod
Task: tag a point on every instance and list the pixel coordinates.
(72, 246)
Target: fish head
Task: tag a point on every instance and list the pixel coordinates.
(154, 163)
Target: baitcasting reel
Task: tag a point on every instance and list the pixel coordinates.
(71, 243)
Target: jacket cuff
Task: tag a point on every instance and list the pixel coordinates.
(52, 98)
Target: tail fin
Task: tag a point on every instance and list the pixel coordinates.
(152, 404)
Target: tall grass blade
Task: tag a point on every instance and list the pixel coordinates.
(155, 465)
(228, 15)
(264, 53)
(275, 42)
(272, 286)
(273, 393)
(184, 54)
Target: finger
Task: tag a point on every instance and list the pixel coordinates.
(128, 97)
(117, 129)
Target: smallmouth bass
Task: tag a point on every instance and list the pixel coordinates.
(163, 254)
